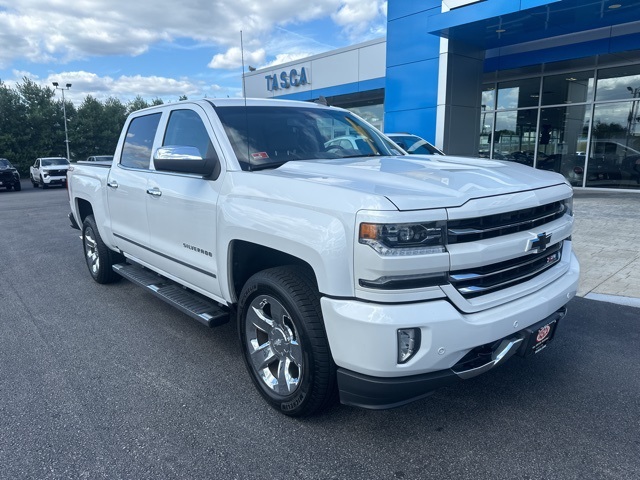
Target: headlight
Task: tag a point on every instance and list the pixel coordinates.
(568, 205)
(404, 238)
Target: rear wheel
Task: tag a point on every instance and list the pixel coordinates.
(284, 342)
(100, 259)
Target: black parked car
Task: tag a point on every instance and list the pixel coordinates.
(9, 176)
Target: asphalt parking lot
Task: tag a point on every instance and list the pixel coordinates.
(109, 382)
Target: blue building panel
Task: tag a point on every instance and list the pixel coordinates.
(412, 86)
(421, 122)
(472, 13)
(402, 8)
(577, 50)
(403, 48)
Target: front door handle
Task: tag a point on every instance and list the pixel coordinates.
(112, 184)
(155, 191)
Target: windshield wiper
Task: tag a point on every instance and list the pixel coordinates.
(362, 155)
(266, 166)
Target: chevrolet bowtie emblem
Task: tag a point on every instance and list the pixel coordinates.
(540, 243)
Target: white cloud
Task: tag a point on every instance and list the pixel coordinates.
(232, 58)
(46, 34)
(50, 30)
(358, 16)
(126, 87)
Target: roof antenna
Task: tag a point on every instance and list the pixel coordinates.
(322, 101)
(244, 95)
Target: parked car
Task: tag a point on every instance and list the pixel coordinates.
(348, 143)
(49, 171)
(414, 144)
(100, 158)
(611, 164)
(9, 176)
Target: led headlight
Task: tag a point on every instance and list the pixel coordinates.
(404, 238)
(568, 205)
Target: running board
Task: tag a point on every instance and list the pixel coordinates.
(193, 304)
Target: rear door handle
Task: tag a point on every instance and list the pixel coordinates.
(112, 184)
(155, 191)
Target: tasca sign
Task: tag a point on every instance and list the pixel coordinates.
(287, 79)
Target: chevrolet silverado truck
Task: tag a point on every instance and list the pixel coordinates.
(369, 276)
(49, 171)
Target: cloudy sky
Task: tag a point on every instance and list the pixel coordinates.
(163, 48)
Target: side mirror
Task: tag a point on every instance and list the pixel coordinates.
(185, 159)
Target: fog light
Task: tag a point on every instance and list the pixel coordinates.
(408, 343)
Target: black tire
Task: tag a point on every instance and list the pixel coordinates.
(17, 187)
(100, 259)
(44, 185)
(35, 184)
(284, 343)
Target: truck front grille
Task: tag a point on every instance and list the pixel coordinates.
(57, 173)
(489, 278)
(490, 226)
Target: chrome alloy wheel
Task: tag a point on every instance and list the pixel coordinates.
(91, 251)
(273, 345)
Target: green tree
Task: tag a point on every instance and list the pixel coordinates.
(13, 137)
(87, 128)
(137, 103)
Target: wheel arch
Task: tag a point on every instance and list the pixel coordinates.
(247, 258)
(84, 209)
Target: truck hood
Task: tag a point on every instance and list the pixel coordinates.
(415, 182)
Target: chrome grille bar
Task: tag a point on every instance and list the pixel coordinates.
(504, 274)
(468, 230)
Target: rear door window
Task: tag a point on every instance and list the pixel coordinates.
(136, 152)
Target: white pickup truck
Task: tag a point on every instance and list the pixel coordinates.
(48, 171)
(368, 275)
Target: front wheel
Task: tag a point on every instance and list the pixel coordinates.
(284, 342)
(17, 186)
(100, 259)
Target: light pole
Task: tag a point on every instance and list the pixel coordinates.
(64, 113)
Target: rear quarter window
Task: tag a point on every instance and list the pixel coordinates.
(136, 152)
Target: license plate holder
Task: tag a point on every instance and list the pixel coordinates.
(538, 335)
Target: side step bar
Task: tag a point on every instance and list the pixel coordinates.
(196, 306)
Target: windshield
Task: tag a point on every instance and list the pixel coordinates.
(47, 162)
(267, 137)
(4, 163)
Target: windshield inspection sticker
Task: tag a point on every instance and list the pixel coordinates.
(258, 155)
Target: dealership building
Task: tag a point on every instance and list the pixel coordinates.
(554, 84)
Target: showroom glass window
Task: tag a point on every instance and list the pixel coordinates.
(583, 121)
(614, 149)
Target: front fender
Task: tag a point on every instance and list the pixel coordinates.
(322, 240)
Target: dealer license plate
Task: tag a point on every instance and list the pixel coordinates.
(539, 336)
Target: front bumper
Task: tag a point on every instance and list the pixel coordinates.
(363, 336)
(48, 180)
(379, 393)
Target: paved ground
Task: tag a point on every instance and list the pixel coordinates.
(607, 243)
(107, 382)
